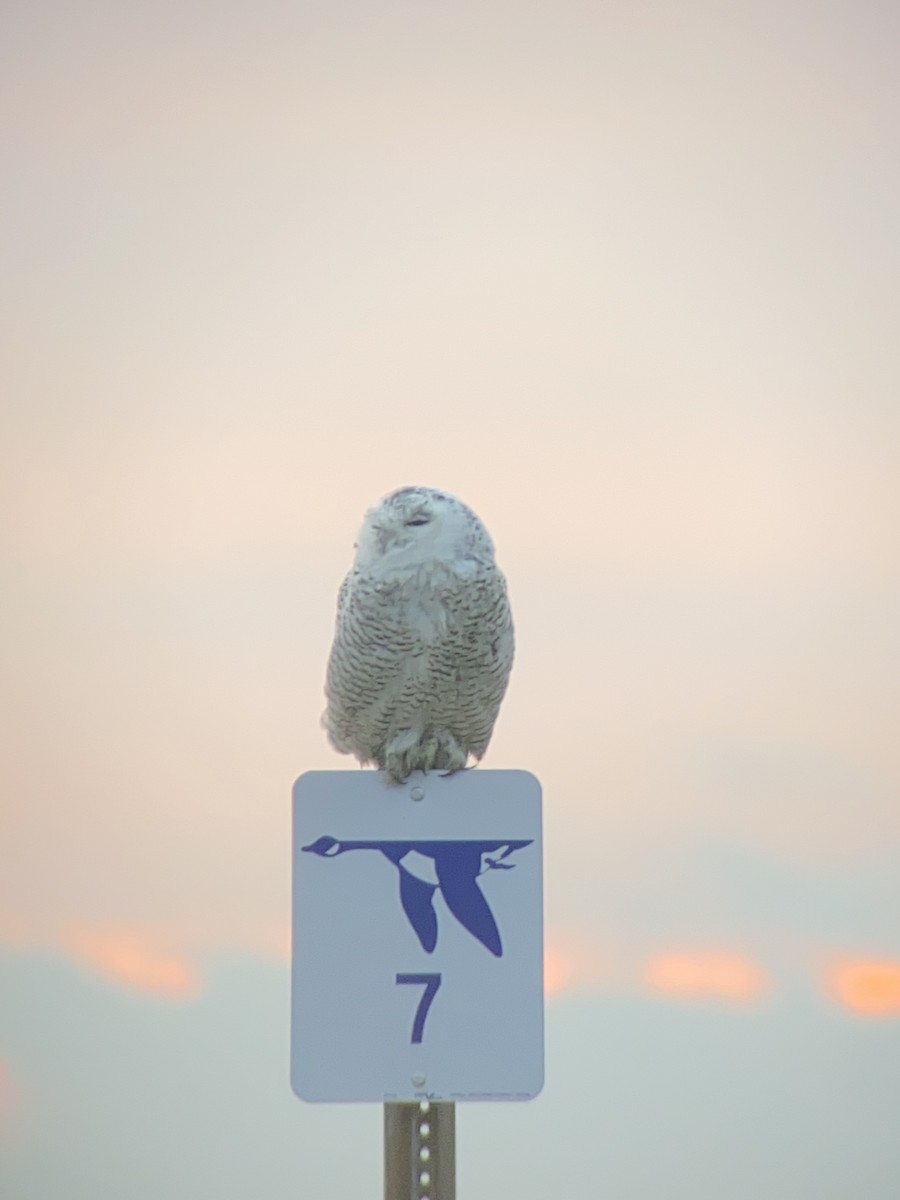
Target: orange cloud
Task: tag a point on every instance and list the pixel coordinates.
(558, 971)
(573, 964)
(870, 988)
(712, 976)
(137, 960)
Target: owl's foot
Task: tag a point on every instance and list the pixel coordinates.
(413, 751)
(406, 752)
(454, 771)
(450, 757)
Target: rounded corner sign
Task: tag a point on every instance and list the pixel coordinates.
(417, 966)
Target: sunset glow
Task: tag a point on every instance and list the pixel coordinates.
(713, 976)
(135, 960)
(869, 988)
(559, 971)
(578, 965)
(573, 964)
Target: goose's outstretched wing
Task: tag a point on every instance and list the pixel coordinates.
(457, 869)
(417, 899)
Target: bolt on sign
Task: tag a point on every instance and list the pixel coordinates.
(417, 937)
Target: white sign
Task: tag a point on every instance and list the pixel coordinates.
(417, 937)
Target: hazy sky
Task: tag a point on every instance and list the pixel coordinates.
(625, 278)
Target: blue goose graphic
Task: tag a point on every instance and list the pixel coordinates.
(457, 866)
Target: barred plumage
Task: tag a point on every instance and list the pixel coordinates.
(423, 644)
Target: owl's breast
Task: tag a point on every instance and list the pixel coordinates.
(429, 620)
(430, 599)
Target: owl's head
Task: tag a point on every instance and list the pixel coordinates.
(417, 525)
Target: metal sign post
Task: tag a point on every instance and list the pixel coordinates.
(420, 1151)
(417, 975)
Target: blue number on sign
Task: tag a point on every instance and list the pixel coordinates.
(432, 983)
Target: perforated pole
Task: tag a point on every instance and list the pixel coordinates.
(420, 1151)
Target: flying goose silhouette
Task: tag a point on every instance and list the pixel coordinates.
(457, 866)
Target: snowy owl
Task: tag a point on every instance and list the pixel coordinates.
(423, 645)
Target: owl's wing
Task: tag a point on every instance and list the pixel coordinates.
(483, 656)
(366, 668)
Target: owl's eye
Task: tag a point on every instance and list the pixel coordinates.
(418, 521)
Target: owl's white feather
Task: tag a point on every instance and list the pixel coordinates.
(423, 645)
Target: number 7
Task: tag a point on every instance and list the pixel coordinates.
(432, 983)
